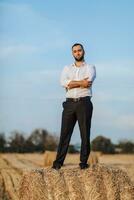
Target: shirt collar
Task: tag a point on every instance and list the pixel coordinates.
(83, 64)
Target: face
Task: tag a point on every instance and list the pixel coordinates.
(78, 53)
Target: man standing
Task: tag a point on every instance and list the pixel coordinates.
(77, 79)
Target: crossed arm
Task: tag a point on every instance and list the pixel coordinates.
(82, 83)
(85, 83)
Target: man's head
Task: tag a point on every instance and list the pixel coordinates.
(78, 52)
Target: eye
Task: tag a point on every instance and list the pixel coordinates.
(79, 50)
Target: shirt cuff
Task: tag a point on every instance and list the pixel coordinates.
(67, 82)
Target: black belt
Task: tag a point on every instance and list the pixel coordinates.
(78, 99)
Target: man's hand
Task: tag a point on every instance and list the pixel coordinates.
(73, 84)
(85, 83)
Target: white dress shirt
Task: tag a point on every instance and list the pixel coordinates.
(74, 73)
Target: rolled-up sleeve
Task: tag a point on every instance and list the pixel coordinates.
(92, 73)
(64, 79)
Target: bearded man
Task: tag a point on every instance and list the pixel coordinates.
(77, 79)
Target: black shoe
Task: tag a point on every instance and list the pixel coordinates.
(84, 166)
(57, 166)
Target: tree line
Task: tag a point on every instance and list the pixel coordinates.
(103, 144)
(40, 140)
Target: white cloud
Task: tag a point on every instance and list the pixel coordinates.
(125, 122)
(20, 22)
(35, 85)
(110, 118)
(16, 49)
(114, 82)
(108, 96)
(115, 70)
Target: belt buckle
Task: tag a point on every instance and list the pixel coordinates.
(76, 99)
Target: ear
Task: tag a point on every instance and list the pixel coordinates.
(83, 52)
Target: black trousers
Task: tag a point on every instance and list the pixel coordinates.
(73, 111)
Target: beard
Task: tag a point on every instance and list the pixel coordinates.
(80, 58)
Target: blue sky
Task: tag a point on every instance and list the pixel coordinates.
(35, 44)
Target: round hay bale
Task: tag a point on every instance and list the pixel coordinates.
(93, 158)
(98, 153)
(1, 187)
(99, 182)
(49, 157)
(32, 186)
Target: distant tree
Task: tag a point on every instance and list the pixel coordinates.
(126, 146)
(2, 142)
(51, 142)
(17, 142)
(72, 149)
(103, 144)
(29, 146)
(38, 139)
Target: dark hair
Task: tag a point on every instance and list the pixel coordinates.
(76, 44)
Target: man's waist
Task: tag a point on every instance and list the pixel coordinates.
(78, 99)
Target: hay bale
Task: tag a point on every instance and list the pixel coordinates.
(33, 186)
(99, 182)
(11, 180)
(49, 157)
(98, 153)
(1, 187)
(93, 158)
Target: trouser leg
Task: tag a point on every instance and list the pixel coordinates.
(67, 126)
(84, 115)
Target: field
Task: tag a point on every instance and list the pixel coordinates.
(19, 171)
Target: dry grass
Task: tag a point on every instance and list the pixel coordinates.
(101, 181)
(1, 187)
(93, 158)
(9, 181)
(98, 182)
(17, 161)
(122, 161)
(36, 159)
(49, 157)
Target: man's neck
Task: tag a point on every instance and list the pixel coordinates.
(79, 63)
